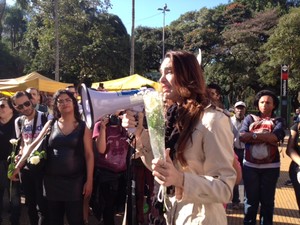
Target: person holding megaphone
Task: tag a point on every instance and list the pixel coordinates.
(198, 162)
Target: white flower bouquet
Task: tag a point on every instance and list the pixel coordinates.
(154, 108)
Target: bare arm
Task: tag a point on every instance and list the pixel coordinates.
(24, 157)
(30, 147)
(89, 161)
(142, 139)
(101, 139)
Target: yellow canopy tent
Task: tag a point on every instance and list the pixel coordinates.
(7, 93)
(33, 79)
(127, 83)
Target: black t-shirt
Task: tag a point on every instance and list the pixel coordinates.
(294, 127)
(7, 132)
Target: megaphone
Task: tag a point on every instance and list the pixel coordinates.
(96, 104)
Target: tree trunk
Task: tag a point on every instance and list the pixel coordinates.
(132, 40)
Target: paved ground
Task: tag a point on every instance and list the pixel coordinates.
(286, 210)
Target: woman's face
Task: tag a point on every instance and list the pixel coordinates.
(5, 111)
(266, 105)
(167, 81)
(64, 103)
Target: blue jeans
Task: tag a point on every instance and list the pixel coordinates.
(294, 168)
(260, 187)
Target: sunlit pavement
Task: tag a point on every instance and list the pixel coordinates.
(286, 209)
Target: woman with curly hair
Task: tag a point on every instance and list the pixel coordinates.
(261, 167)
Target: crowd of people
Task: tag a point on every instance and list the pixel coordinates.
(209, 154)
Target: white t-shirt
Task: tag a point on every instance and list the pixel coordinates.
(27, 125)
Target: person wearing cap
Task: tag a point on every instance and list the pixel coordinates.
(239, 147)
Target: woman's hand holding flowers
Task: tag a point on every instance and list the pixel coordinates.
(15, 174)
(165, 172)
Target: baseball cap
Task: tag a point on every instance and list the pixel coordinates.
(239, 103)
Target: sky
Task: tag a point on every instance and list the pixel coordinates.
(146, 13)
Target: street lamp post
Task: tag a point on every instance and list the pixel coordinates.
(164, 10)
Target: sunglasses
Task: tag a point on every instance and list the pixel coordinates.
(21, 106)
(2, 106)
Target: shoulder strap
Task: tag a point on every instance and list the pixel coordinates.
(20, 123)
(298, 126)
(255, 118)
(50, 126)
(44, 118)
(34, 123)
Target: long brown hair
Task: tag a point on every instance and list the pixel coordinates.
(190, 84)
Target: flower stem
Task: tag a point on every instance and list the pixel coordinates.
(10, 190)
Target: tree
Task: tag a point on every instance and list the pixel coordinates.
(238, 56)
(93, 43)
(2, 8)
(148, 48)
(11, 65)
(14, 26)
(283, 48)
(261, 5)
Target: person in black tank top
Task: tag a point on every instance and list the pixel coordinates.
(70, 162)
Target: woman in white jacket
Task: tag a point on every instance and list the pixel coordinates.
(199, 140)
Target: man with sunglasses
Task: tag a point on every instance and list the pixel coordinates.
(32, 123)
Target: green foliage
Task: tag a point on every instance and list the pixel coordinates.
(11, 65)
(261, 5)
(243, 43)
(283, 48)
(14, 27)
(239, 55)
(148, 48)
(92, 43)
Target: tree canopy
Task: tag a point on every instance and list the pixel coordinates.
(243, 43)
